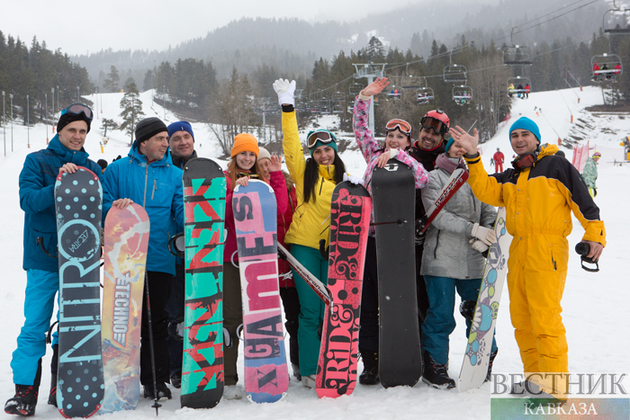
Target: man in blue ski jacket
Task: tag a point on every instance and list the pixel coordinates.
(148, 177)
(64, 153)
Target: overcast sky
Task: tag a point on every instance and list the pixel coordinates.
(82, 27)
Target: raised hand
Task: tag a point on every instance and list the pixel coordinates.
(285, 91)
(376, 86)
(276, 163)
(465, 140)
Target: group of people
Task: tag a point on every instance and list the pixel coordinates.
(605, 72)
(539, 193)
(520, 91)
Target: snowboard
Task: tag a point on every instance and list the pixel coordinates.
(126, 244)
(255, 217)
(478, 348)
(350, 211)
(78, 206)
(204, 207)
(320, 289)
(393, 192)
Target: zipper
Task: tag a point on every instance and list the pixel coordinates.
(154, 188)
(437, 243)
(146, 179)
(321, 186)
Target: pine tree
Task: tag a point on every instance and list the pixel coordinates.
(131, 110)
(113, 80)
(108, 124)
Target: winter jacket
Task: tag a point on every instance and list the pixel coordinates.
(590, 173)
(498, 157)
(427, 158)
(311, 221)
(371, 150)
(447, 249)
(284, 222)
(156, 186)
(37, 199)
(180, 161)
(230, 252)
(539, 199)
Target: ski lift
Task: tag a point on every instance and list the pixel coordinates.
(394, 94)
(338, 102)
(606, 67)
(517, 55)
(519, 87)
(455, 73)
(355, 89)
(616, 21)
(410, 82)
(424, 94)
(462, 95)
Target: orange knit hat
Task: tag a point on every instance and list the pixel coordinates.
(244, 142)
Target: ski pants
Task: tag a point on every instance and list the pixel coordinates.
(291, 304)
(232, 318)
(175, 310)
(498, 167)
(440, 322)
(159, 292)
(39, 303)
(368, 333)
(311, 307)
(537, 272)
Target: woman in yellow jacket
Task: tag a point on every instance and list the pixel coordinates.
(315, 179)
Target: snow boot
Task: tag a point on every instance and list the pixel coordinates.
(467, 309)
(493, 355)
(24, 401)
(436, 375)
(176, 379)
(296, 371)
(54, 363)
(370, 368)
(163, 391)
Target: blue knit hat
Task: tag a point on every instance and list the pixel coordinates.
(180, 126)
(449, 143)
(525, 123)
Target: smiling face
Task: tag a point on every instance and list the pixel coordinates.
(263, 165)
(73, 135)
(523, 141)
(324, 155)
(155, 148)
(395, 139)
(181, 143)
(429, 139)
(245, 160)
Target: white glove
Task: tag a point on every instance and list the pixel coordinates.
(353, 179)
(478, 245)
(285, 91)
(486, 235)
(393, 153)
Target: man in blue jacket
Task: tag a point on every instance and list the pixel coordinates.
(64, 153)
(148, 177)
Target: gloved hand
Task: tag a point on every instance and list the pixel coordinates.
(478, 245)
(393, 153)
(594, 192)
(285, 91)
(353, 179)
(486, 235)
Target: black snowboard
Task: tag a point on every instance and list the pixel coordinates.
(393, 192)
(80, 384)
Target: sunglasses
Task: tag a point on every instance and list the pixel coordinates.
(401, 125)
(323, 137)
(437, 125)
(76, 109)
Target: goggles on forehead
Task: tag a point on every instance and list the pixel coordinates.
(437, 125)
(323, 137)
(77, 109)
(401, 125)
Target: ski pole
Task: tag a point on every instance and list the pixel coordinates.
(155, 405)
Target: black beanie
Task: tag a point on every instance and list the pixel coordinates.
(148, 128)
(68, 118)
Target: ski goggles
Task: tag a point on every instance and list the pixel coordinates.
(397, 124)
(76, 109)
(324, 137)
(437, 125)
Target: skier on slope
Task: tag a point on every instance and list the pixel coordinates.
(539, 194)
(37, 198)
(243, 166)
(315, 180)
(148, 177)
(181, 142)
(498, 159)
(288, 292)
(452, 260)
(397, 145)
(589, 174)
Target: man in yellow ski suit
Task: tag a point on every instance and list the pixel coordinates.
(539, 194)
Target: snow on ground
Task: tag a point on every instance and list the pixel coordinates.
(595, 305)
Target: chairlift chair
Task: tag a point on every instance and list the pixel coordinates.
(517, 55)
(615, 21)
(462, 95)
(513, 84)
(424, 95)
(455, 73)
(606, 67)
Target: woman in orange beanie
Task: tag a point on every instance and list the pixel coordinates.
(242, 166)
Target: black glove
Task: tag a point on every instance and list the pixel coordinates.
(594, 192)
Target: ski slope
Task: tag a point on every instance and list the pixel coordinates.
(595, 305)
